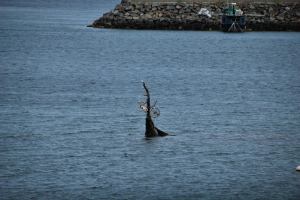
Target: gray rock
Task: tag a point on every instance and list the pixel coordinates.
(128, 8)
(265, 12)
(155, 4)
(178, 7)
(147, 7)
(280, 17)
(188, 10)
(170, 7)
(147, 16)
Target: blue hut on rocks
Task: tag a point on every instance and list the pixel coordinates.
(233, 19)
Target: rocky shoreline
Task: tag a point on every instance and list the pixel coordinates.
(183, 16)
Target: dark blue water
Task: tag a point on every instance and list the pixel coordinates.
(70, 127)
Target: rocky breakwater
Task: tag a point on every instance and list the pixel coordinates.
(182, 16)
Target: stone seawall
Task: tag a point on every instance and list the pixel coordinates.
(183, 16)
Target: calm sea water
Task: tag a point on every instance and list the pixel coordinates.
(70, 127)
